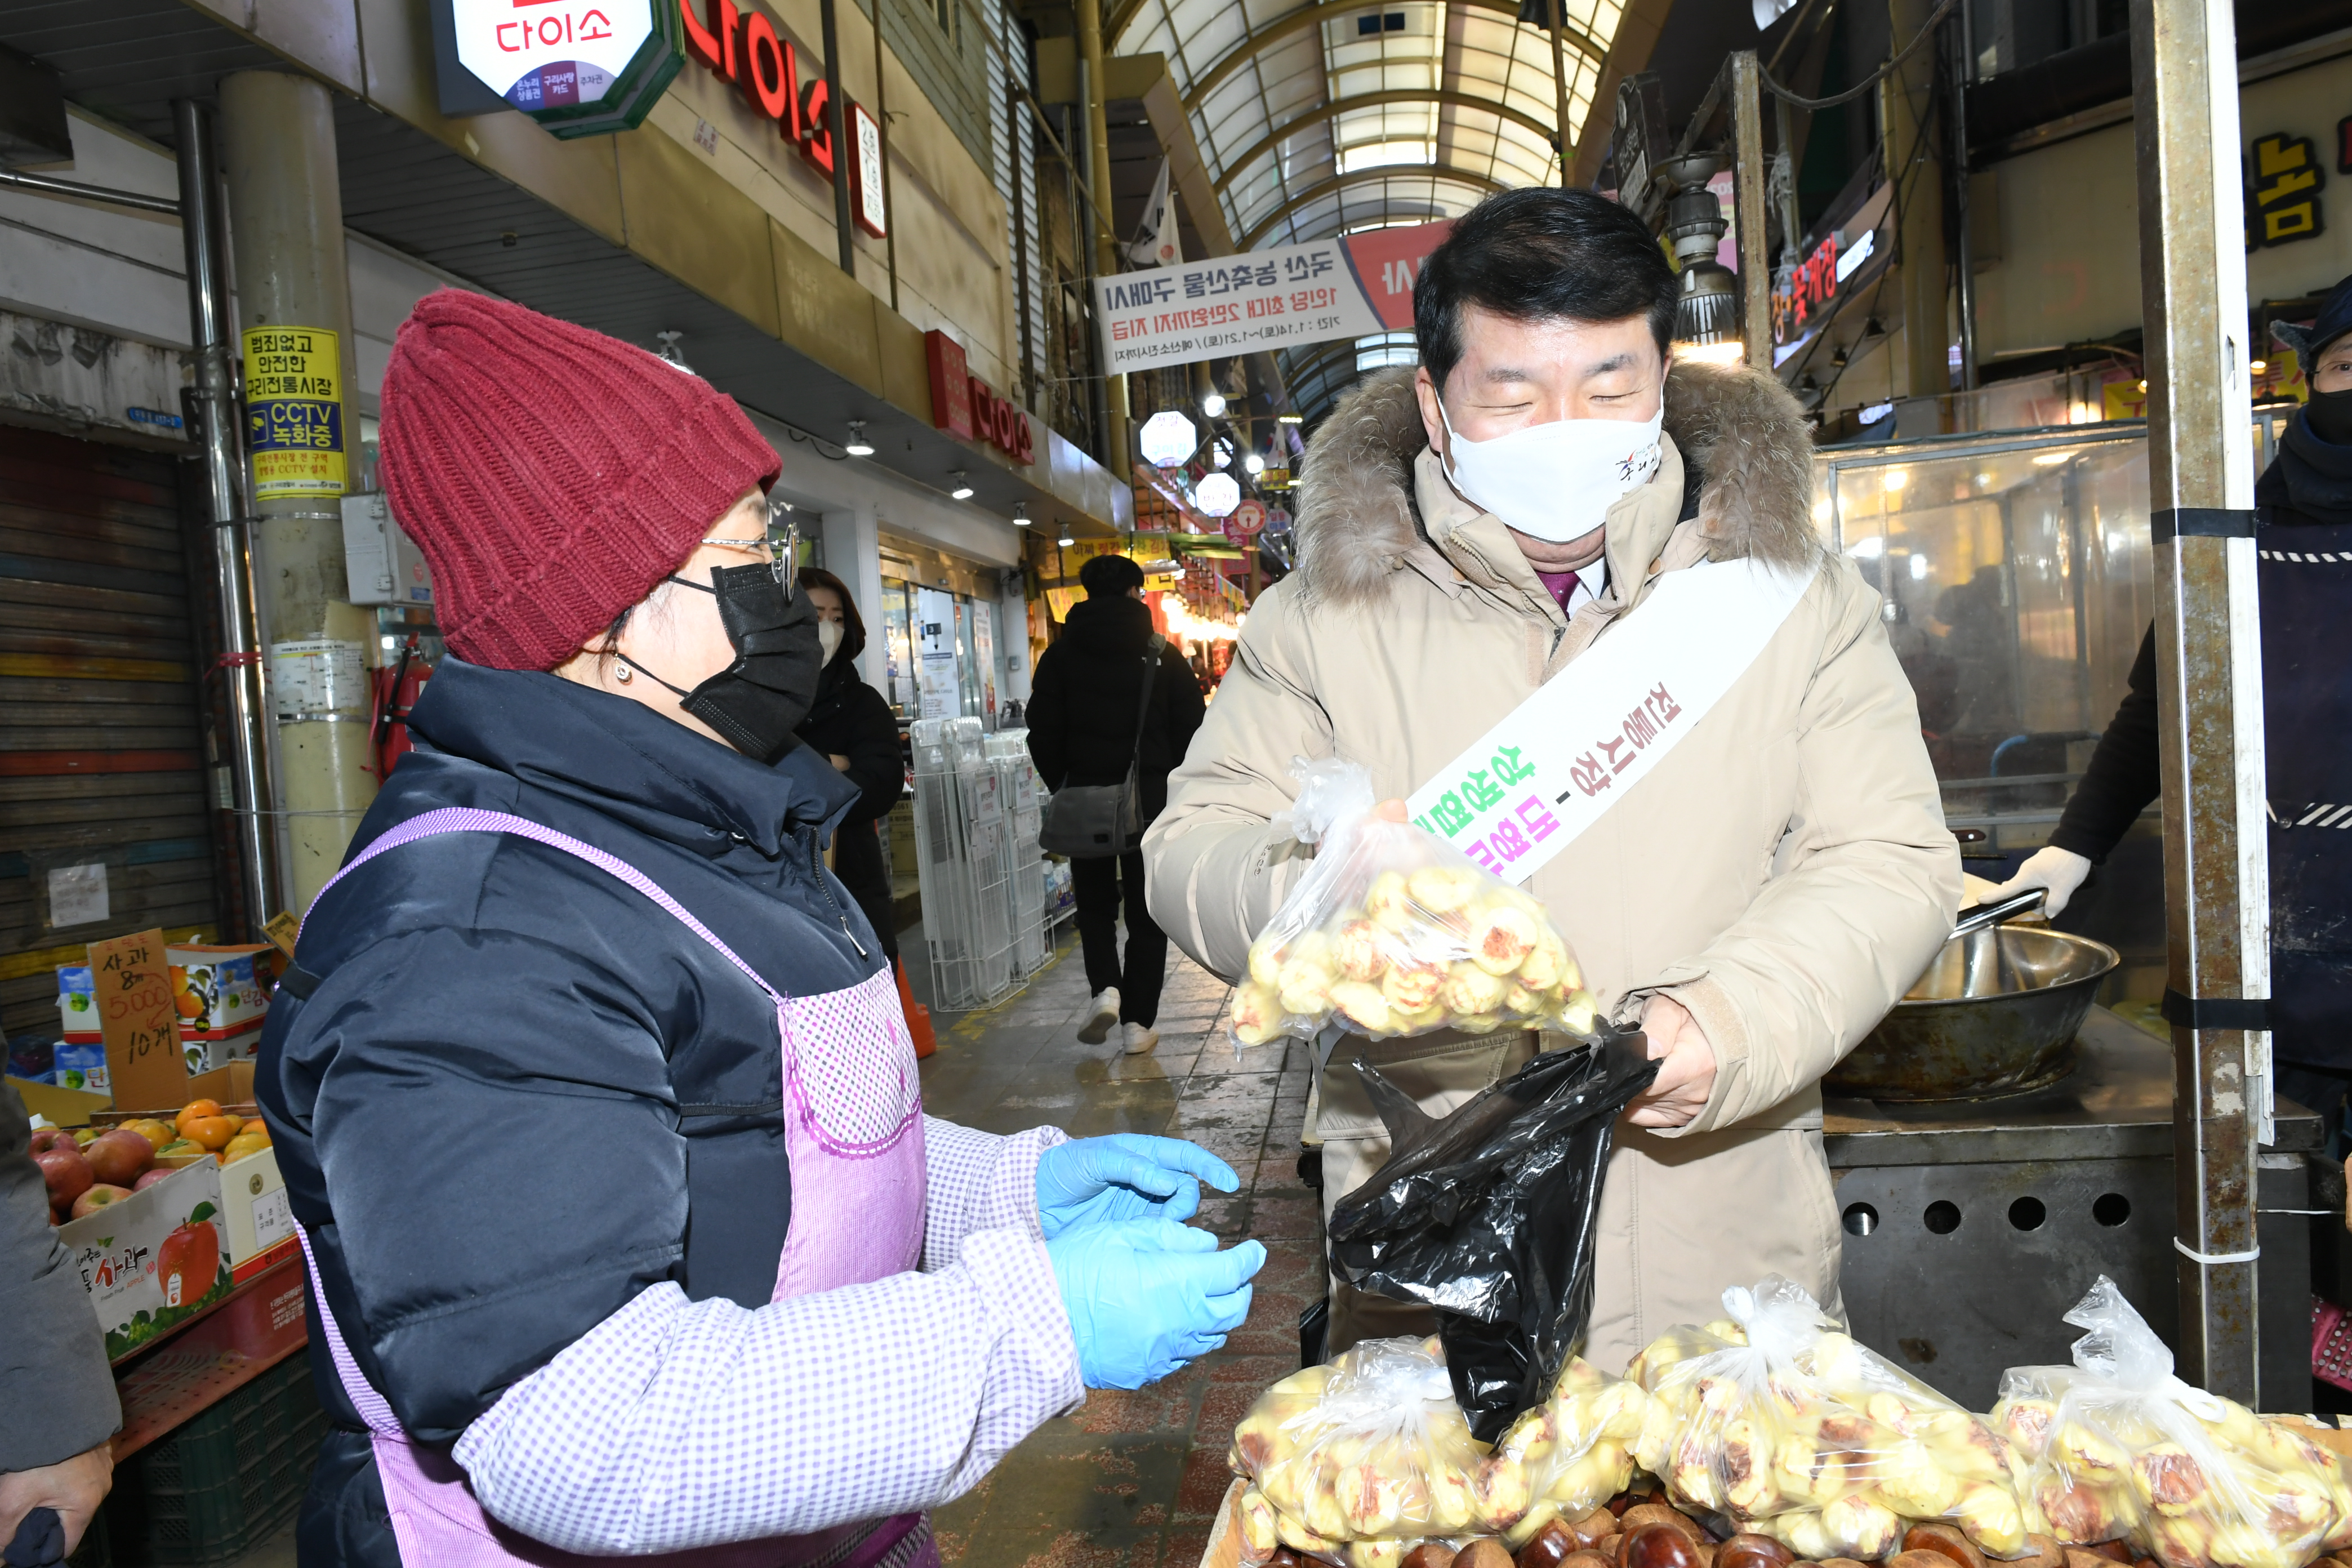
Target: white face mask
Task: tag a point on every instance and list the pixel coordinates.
(828, 638)
(1555, 481)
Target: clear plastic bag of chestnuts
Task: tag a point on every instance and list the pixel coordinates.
(1368, 1462)
(1778, 1422)
(1392, 932)
(2117, 1447)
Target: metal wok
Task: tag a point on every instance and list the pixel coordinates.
(1995, 1014)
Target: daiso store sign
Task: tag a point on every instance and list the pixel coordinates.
(741, 45)
(581, 68)
(554, 52)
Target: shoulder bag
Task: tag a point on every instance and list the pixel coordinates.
(1093, 822)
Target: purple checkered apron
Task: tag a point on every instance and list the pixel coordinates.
(854, 1134)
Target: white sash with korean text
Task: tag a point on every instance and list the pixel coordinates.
(1544, 775)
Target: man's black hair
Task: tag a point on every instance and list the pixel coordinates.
(1108, 576)
(1541, 253)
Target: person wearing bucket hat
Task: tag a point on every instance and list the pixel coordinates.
(2302, 540)
(601, 1128)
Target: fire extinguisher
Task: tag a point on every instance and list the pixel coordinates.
(394, 695)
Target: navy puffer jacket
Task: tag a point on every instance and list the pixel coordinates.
(518, 1092)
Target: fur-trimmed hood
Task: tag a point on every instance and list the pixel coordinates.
(1358, 524)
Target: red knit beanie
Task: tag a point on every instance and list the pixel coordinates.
(550, 475)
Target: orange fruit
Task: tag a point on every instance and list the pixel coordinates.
(253, 1124)
(240, 1146)
(210, 1131)
(179, 973)
(188, 1002)
(194, 1109)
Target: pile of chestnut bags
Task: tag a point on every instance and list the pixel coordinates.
(1777, 1438)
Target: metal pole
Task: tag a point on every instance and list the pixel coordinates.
(2208, 669)
(882, 129)
(836, 122)
(1097, 384)
(204, 243)
(1908, 101)
(294, 300)
(1090, 55)
(1747, 205)
(1961, 170)
(1559, 92)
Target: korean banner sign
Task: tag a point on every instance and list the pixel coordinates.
(1351, 287)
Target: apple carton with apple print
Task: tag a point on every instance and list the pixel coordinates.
(154, 1259)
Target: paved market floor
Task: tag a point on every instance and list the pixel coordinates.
(1133, 1480)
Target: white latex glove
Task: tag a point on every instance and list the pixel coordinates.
(2059, 870)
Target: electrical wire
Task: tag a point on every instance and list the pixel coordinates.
(1872, 80)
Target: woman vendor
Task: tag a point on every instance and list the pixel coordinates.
(2303, 576)
(596, 1109)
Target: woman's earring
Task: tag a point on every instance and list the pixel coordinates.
(624, 675)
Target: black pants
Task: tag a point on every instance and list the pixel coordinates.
(857, 861)
(1096, 884)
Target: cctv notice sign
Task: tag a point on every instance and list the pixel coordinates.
(294, 411)
(1349, 287)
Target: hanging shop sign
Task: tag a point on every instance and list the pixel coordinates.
(1847, 259)
(579, 68)
(294, 411)
(1167, 438)
(963, 404)
(1217, 495)
(1245, 519)
(865, 204)
(1349, 287)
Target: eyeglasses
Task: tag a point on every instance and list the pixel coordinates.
(780, 550)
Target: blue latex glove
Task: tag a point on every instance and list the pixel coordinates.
(1147, 1296)
(1124, 1176)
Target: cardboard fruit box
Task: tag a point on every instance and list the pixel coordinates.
(154, 1259)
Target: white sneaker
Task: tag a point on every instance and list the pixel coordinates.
(1103, 1019)
(1140, 1037)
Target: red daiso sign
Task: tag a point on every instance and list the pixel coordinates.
(743, 45)
(963, 404)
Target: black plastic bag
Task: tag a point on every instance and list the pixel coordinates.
(1487, 1215)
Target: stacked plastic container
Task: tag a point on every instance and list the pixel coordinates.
(964, 847)
(1008, 754)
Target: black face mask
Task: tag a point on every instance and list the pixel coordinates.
(2329, 415)
(759, 699)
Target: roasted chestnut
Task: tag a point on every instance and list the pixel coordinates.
(1284, 1557)
(1947, 1541)
(1658, 1545)
(2117, 1550)
(1589, 1558)
(2042, 1552)
(1748, 1550)
(1659, 1513)
(1549, 1547)
(1921, 1559)
(1484, 1553)
(2084, 1557)
(1429, 1554)
(1594, 1528)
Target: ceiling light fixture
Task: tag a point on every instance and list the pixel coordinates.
(1021, 514)
(1290, 419)
(857, 446)
(1253, 463)
(962, 490)
(1065, 539)
(1213, 404)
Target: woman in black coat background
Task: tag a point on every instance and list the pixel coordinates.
(853, 728)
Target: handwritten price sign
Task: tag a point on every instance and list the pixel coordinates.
(132, 988)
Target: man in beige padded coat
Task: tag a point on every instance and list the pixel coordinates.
(1757, 901)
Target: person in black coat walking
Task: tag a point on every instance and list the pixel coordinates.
(853, 727)
(1082, 730)
(2302, 520)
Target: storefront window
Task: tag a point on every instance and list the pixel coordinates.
(898, 645)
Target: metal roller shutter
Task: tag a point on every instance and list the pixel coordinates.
(101, 739)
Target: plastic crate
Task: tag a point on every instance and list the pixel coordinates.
(226, 1479)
